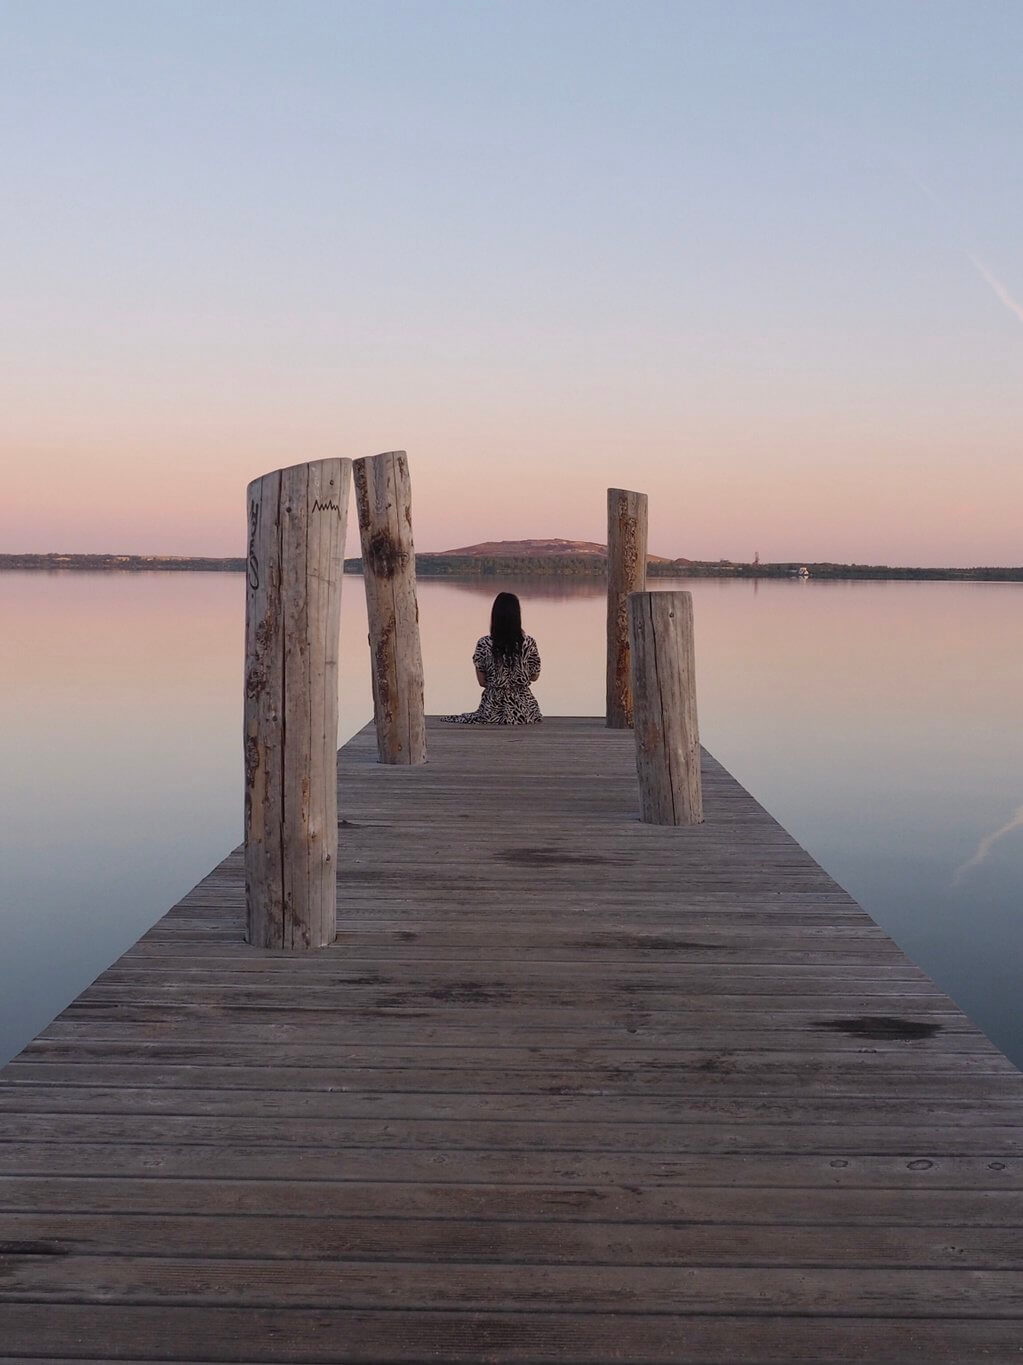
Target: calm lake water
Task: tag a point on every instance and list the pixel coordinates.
(879, 722)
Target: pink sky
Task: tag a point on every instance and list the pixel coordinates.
(672, 248)
(173, 481)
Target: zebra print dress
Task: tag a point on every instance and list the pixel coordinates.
(506, 698)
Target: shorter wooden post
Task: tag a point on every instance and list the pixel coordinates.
(664, 697)
(383, 493)
(296, 522)
(626, 572)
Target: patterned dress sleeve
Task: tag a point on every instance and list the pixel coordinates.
(531, 658)
(481, 655)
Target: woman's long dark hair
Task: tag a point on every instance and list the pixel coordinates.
(506, 627)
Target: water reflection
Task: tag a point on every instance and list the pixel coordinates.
(526, 586)
(877, 721)
(986, 845)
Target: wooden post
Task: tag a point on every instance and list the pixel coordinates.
(383, 494)
(626, 572)
(297, 522)
(664, 691)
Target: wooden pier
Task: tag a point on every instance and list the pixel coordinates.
(568, 1088)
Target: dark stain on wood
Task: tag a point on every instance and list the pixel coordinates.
(454, 993)
(659, 943)
(881, 1026)
(555, 857)
(384, 555)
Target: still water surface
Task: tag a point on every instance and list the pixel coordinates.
(879, 722)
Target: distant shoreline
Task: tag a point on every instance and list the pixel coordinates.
(515, 566)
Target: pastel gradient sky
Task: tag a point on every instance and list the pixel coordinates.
(760, 259)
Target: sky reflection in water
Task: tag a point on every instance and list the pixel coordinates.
(877, 721)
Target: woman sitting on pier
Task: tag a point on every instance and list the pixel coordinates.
(506, 663)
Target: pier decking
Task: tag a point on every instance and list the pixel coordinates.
(567, 1088)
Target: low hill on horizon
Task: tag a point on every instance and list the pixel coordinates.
(540, 549)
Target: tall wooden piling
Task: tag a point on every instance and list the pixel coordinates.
(383, 494)
(626, 572)
(664, 694)
(296, 527)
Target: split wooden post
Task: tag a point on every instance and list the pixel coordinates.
(383, 493)
(626, 572)
(297, 520)
(664, 692)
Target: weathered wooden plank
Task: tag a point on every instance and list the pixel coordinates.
(859, 1022)
(573, 1101)
(963, 1078)
(682, 973)
(545, 1237)
(262, 1217)
(448, 940)
(476, 1286)
(309, 1336)
(143, 1042)
(922, 1200)
(426, 1068)
(556, 998)
(946, 1132)
(262, 1170)
(453, 916)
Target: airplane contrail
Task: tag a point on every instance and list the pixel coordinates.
(997, 286)
(988, 842)
(992, 281)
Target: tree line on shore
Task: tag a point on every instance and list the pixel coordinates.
(517, 566)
